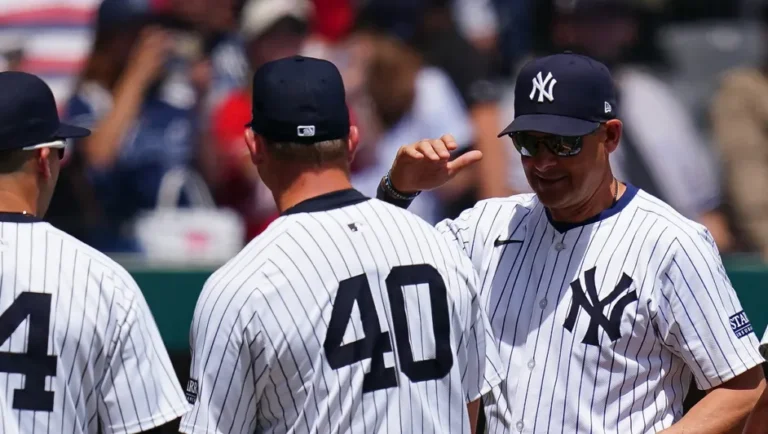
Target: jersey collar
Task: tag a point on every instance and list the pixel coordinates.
(17, 217)
(622, 203)
(328, 201)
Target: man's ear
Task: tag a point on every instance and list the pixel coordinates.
(256, 146)
(613, 131)
(43, 162)
(353, 141)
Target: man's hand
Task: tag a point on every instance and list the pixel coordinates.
(427, 164)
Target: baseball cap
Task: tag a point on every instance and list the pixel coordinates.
(299, 99)
(259, 15)
(28, 113)
(564, 94)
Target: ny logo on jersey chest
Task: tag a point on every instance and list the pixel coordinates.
(593, 307)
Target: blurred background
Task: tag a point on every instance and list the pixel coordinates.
(164, 84)
(164, 184)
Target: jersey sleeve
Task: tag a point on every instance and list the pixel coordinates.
(699, 316)
(481, 360)
(140, 389)
(229, 369)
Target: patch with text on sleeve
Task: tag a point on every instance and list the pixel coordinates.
(740, 324)
(191, 392)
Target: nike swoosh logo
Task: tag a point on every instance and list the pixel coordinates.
(499, 242)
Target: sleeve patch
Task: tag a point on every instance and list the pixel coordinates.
(191, 392)
(740, 324)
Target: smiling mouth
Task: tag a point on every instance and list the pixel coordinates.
(550, 180)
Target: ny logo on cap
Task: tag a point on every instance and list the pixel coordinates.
(540, 84)
(305, 130)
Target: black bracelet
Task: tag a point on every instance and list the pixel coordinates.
(390, 190)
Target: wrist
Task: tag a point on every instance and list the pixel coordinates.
(390, 189)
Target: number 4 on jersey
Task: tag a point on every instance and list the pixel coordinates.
(376, 343)
(35, 364)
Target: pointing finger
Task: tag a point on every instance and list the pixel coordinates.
(464, 161)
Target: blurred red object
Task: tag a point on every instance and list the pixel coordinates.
(237, 188)
(333, 19)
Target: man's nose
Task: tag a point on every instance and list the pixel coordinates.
(544, 159)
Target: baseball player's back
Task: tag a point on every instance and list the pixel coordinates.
(79, 349)
(347, 315)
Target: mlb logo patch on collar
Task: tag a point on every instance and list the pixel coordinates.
(740, 324)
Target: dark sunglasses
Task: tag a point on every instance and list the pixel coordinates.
(528, 144)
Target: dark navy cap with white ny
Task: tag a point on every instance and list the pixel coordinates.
(299, 99)
(563, 94)
(28, 113)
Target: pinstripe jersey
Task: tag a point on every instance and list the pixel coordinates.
(79, 347)
(347, 315)
(601, 325)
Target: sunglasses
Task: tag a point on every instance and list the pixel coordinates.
(59, 145)
(528, 144)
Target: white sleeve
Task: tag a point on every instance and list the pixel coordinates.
(481, 361)
(140, 389)
(229, 369)
(699, 317)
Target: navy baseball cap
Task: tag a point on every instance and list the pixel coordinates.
(28, 113)
(299, 99)
(563, 94)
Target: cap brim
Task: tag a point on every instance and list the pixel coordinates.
(551, 124)
(66, 131)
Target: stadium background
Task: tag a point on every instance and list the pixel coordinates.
(164, 184)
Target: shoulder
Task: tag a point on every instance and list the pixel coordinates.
(246, 271)
(674, 227)
(487, 210)
(114, 279)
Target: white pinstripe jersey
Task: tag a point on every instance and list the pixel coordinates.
(79, 347)
(347, 315)
(601, 325)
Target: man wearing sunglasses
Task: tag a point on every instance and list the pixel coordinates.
(79, 348)
(604, 301)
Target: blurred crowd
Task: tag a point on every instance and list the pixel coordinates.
(165, 87)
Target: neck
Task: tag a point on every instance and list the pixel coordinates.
(600, 200)
(310, 184)
(13, 202)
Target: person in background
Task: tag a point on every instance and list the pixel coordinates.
(739, 113)
(446, 41)
(270, 30)
(661, 152)
(139, 93)
(411, 100)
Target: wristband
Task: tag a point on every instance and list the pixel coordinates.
(390, 190)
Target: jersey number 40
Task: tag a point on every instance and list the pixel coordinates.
(376, 343)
